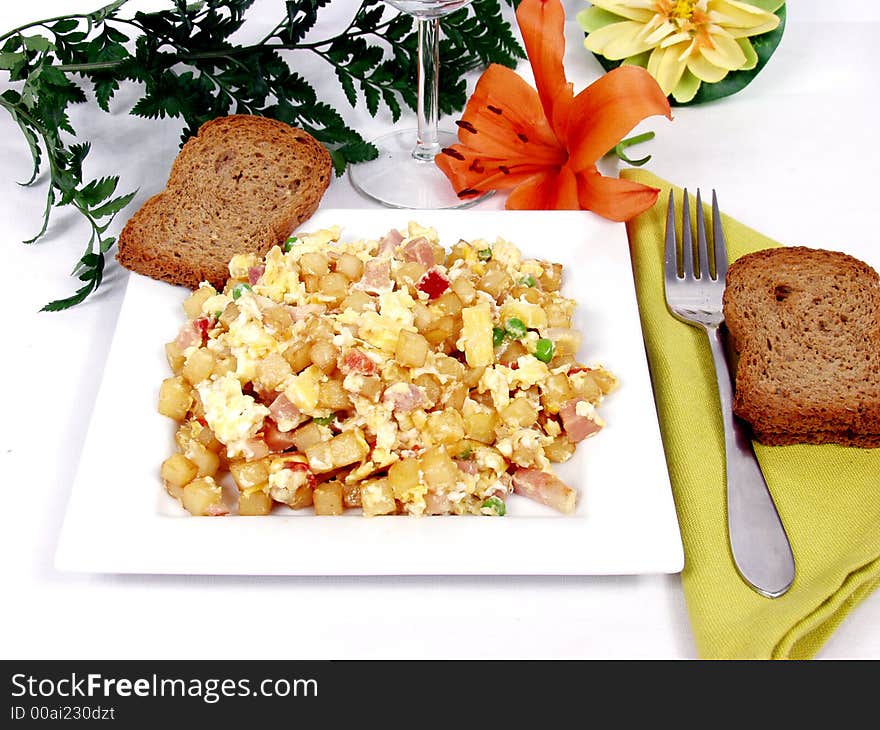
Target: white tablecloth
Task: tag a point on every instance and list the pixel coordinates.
(794, 156)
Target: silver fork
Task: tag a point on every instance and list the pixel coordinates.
(760, 547)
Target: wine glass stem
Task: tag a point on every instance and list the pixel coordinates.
(427, 145)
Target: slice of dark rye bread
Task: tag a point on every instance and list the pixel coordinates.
(806, 325)
(242, 185)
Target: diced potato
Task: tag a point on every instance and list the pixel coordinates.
(230, 314)
(465, 290)
(440, 472)
(430, 384)
(445, 427)
(314, 264)
(332, 396)
(519, 413)
(412, 349)
(272, 371)
(450, 367)
(605, 380)
(323, 354)
(350, 266)
(193, 304)
(409, 274)
(512, 352)
(278, 318)
(377, 498)
(174, 356)
(532, 316)
(335, 285)
(461, 250)
(297, 356)
(175, 398)
(327, 498)
(404, 476)
(302, 498)
(178, 471)
(207, 462)
(198, 365)
(551, 279)
(358, 301)
(454, 397)
(530, 294)
(423, 316)
(347, 448)
(439, 329)
(223, 365)
(495, 281)
(559, 313)
(203, 497)
(480, 426)
(207, 439)
(254, 504)
(472, 376)
(476, 335)
(250, 474)
(371, 387)
(559, 450)
(556, 390)
(351, 494)
(308, 435)
(585, 385)
(448, 303)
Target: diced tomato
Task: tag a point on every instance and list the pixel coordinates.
(433, 284)
(202, 325)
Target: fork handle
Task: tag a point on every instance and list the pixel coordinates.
(761, 550)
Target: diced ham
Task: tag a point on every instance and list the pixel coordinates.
(254, 274)
(420, 251)
(390, 242)
(299, 313)
(282, 409)
(437, 504)
(467, 466)
(356, 361)
(276, 439)
(578, 427)
(376, 277)
(404, 397)
(545, 488)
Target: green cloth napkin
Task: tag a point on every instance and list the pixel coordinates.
(828, 496)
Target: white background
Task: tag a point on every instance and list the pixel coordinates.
(795, 156)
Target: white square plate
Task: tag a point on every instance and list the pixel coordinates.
(120, 520)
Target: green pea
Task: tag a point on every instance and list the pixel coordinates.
(238, 290)
(516, 328)
(325, 420)
(544, 350)
(528, 280)
(484, 254)
(496, 505)
(288, 244)
(498, 335)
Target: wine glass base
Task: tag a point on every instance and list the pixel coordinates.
(397, 179)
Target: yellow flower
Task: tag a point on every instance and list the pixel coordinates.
(681, 42)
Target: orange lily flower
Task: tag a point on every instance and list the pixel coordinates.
(543, 146)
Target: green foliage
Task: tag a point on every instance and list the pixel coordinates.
(190, 68)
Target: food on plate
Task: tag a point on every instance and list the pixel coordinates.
(806, 325)
(388, 375)
(240, 186)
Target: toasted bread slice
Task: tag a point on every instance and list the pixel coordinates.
(240, 186)
(806, 325)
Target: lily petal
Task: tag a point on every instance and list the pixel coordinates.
(542, 23)
(471, 172)
(613, 198)
(604, 112)
(549, 190)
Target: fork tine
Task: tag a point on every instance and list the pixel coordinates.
(687, 239)
(702, 246)
(718, 241)
(671, 253)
